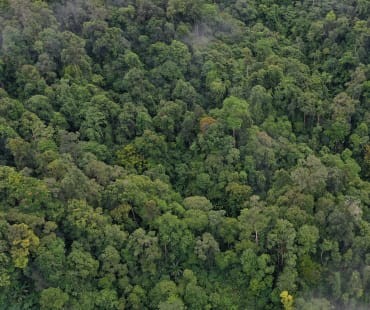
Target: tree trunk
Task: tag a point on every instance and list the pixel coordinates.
(256, 236)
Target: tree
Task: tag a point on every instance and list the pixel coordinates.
(163, 291)
(74, 57)
(307, 238)
(174, 237)
(53, 298)
(50, 260)
(30, 82)
(23, 241)
(206, 248)
(108, 299)
(197, 203)
(253, 221)
(185, 91)
(178, 9)
(102, 41)
(311, 176)
(260, 103)
(137, 298)
(238, 195)
(196, 220)
(81, 268)
(143, 247)
(194, 295)
(169, 118)
(10, 109)
(172, 303)
(75, 185)
(87, 224)
(234, 113)
(281, 240)
(40, 105)
(286, 300)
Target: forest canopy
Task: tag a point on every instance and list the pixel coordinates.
(184, 154)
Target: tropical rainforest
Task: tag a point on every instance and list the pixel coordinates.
(184, 154)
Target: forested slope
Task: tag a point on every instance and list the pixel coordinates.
(184, 154)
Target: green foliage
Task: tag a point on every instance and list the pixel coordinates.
(53, 298)
(184, 154)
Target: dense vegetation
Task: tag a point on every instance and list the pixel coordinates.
(184, 154)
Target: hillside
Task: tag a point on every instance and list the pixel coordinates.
(184, 154)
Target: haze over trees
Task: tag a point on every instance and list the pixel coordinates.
(175, 154)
